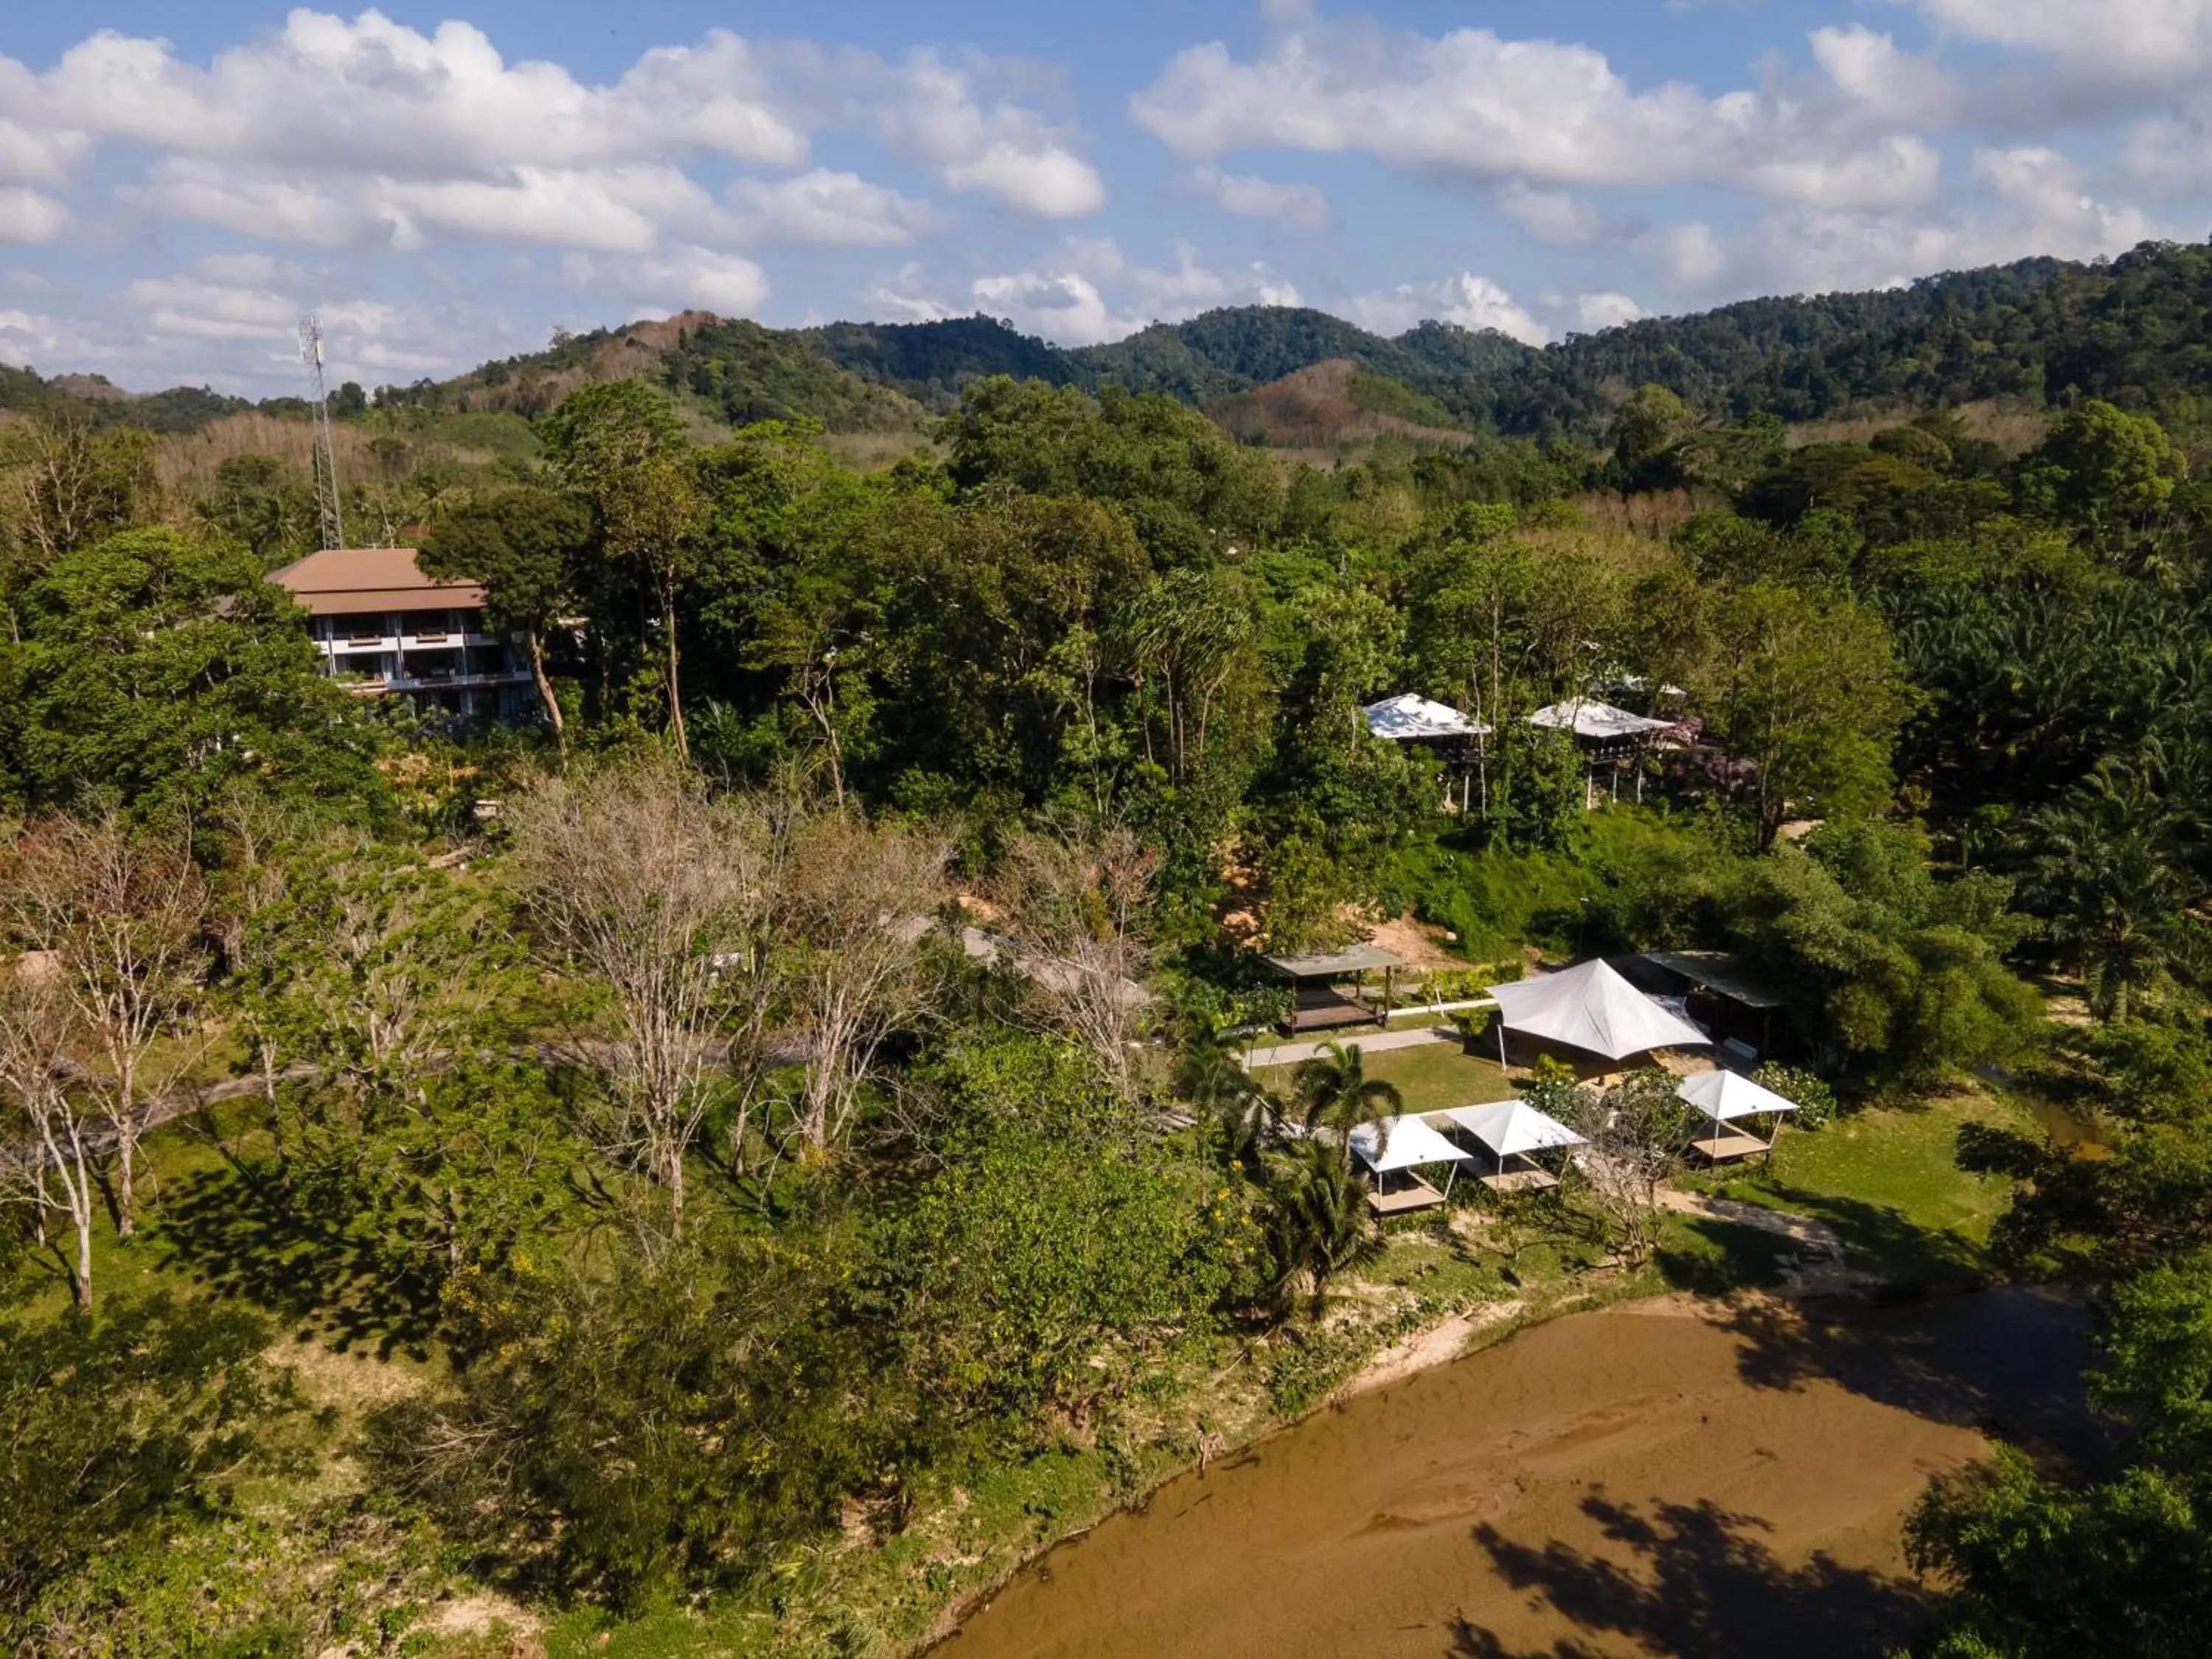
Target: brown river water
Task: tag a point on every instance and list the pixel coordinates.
(1668, 1478)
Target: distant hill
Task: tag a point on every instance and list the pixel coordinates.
(1333, 403)
(2136, 331)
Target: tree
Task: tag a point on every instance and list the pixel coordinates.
(2105, 470)
(1815, 697)
(667, 899)
(1647, 426)
(619, 442)
(859, 900)
(120, 915)
(524, 547)
(1078, 911)
(1318, 1221)
(1332, 1091)
(64, 486)
(1638, 1132)
(48, 1140)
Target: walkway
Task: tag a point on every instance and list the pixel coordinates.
(1374, 1042)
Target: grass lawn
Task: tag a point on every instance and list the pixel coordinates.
(1885, 1179)
(1433, 1078)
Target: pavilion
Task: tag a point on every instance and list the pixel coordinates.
(1400, 1146)
(1606, 735)
(1590, 1008)
(1512, 1129)
(1456, 739)
(1727, 1097)
(1317, 1004)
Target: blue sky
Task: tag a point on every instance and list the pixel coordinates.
(446, 182)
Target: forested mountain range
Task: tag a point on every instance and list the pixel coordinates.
(2133, 331)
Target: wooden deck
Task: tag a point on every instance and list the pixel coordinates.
(1522, 1181)
(1419, 1196)
(1328, 1014)
(1730, 1148)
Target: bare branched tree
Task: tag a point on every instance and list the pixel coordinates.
(855, 955)
(1079, 910)
(667, 897)
(1638, 1131)
(124, 914)
(46, 1155)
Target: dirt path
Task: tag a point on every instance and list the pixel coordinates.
(1665, 1478)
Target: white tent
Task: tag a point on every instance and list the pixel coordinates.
(1399, 718)
(1512, 1128)
(1598, 722)
(1594, 1008)
(1725, 1097)
(1403, 1143)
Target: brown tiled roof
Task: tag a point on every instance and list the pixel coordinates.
(351, 578)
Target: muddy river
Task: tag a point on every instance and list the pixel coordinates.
(1661, 1478)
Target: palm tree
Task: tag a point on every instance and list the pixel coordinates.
(2108, 873)
(1334, 1091)
(1318, 1225)
(1211, 1076)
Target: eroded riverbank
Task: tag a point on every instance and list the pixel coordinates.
(1664, 1477)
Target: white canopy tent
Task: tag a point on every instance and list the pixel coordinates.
(1595, 722)
(1592, 1008)
(1401, 719)
(1727, 1097)
(1395, 1144)
(1514, 1128)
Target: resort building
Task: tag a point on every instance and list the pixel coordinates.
(383, 626)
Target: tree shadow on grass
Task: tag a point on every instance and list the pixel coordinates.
(249, 1238)
(1707, 1584)
(1879, 1238)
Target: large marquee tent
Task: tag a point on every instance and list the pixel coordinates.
(1592, 1008)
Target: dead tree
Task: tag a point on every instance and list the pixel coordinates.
(1638, 1132)
(854, 956)
(122, 915)
(662, 894)
(46, 1158)
(1078, 914)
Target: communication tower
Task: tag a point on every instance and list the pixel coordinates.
(326, 459)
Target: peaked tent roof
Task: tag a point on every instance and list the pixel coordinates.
(1403, 1143)
(1512, 1127)
(1725, 1097)
(1593, 1007)
(1400, 718)
(1586, 717)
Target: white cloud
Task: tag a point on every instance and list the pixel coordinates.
(1065, 305)
(205, 310)
(823, 209)
(2159, 40)
(682, 278)
(1603, 311)
(24, 336)
(27, 217)
(904, 296)
(1553, 217)
(1467, 299)
(1898, 173)
(938, 113)
(1302, 207)
(1890, 84)
(1089, 293)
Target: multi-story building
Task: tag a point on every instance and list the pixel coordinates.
(383, 626)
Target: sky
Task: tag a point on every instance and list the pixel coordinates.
(451, 181)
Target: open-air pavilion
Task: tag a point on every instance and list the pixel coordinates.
(1606, 736)
(1401, 1146)
(1327, 989)
(1730, 1097)
(1512, 1130)
(1455, 738)
(1591, 1009)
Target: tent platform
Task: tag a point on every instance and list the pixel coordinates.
(1522, 1181)
(1419, 1196)
(1729, 1148)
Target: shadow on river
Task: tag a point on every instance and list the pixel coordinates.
(1660, 1478)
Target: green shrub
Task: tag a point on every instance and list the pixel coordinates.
(1814, 1099)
